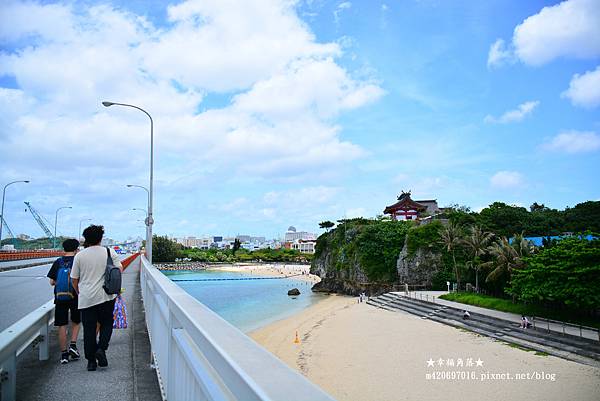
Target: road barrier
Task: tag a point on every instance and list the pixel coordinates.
(33, 328)
(33, 254)
(200, 356)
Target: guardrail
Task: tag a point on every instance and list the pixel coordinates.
(33, 328)
(198, 355)
(33, 254)
(545, 325)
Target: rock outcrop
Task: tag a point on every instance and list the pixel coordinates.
(418, 268)
(294, 291)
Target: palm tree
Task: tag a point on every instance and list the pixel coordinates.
(477, 242)
(507, 256)
(451, 238)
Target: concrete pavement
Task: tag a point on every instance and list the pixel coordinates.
(129, 375)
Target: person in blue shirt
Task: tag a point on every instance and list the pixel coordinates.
(63, 307)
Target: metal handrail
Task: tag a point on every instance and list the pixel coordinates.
(33, 328)
(198, 355)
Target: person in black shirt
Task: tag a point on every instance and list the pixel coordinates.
(62, 308)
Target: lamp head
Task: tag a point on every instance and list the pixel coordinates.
(107, 104)
(26, 181)
(129, 185)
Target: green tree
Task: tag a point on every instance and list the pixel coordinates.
(477, 242)
(451, 239)
(236, 245)
(506, 257)
(326, 225)
(565, 274)
(164, 250)
(504, 220)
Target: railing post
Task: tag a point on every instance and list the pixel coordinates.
(580, 334)
(548, 321)
(44, 344)
(173, 325)
(8, 379)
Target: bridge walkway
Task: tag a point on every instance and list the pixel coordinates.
(129, 375)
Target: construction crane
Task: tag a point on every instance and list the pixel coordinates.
(5, 224)
(40, 220)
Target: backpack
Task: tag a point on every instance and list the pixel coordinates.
(63, 288)
(112, 276)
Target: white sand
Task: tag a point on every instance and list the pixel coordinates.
(300, 272)
(359, 352)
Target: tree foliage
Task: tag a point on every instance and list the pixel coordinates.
(164, 250)
(567, 273)
(326, 224)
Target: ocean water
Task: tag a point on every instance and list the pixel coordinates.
(246, 304)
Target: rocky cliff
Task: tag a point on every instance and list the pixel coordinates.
(420, 267)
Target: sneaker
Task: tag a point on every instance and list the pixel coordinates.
(73, 352)
(64, 358)
(91, 365)
(101, 357)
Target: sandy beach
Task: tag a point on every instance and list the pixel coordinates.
(361, 353)
(300, 272)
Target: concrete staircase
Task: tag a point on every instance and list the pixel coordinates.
(566, 346)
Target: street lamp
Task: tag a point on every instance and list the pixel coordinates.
(149, 219)
(148, 230)
(56, 222)
(2, 212)
(79, 232)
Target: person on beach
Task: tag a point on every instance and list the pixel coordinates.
(65, 299)
(524, 322)
(95, 304)
(466, 315)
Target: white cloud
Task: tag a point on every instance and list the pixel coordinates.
(569, 29)
(574, 142)
(511, 116)
(499, 54)
(507, 180)
(584, 90)
(339, 9)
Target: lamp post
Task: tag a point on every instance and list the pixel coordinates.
(148, 229)
(146, 213)
(149, 219)
(56, 222)
(2, 212)
(79, 232)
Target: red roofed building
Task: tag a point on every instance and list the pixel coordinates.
(408, 209)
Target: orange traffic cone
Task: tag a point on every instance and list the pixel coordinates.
(297, 340)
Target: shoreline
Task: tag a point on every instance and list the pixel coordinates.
(356, 351)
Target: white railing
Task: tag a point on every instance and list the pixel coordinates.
(33, 328)
(200, 356)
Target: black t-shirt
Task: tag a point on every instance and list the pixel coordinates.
(52, 273)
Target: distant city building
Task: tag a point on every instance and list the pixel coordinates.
(408, 209)
(291, 235)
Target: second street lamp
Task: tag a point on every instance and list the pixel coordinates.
(147, 221)
(56, 222)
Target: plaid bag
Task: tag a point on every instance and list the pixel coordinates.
(120, 313)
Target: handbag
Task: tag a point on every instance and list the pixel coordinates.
(120, 313)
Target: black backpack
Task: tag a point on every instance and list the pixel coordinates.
(112, 276)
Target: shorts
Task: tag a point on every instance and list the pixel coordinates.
(61, 313)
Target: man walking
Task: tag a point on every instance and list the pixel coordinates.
(65, 299)
(95, 304)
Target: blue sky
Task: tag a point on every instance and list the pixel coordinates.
(275, 113)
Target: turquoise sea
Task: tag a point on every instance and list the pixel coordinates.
(246, 304)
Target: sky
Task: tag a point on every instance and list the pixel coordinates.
(271, 113)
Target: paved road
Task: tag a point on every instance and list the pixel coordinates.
(22, 291)
(13, 263)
